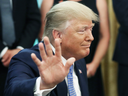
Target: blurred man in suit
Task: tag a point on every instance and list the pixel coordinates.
(25, 17)
(121, 48)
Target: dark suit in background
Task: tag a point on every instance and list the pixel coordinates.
(121, 48)
(27, 24)
(28, 71)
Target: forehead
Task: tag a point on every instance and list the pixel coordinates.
(81, 23)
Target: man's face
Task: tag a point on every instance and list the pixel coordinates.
(76, 39)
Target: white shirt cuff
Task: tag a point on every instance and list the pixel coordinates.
(20, 47)
(38, 92)
(3, 52)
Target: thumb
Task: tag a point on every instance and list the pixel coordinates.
(69, 62)
(35, 59)
(88, 74)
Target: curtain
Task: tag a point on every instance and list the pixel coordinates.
(109, 67)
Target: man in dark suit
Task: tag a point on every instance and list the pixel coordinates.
(26, 20)
(67, 35)
(121, 48)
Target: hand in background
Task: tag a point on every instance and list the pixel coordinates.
(91, 69)
(8, 55)
(51, 68)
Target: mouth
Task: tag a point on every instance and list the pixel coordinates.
(86, 46)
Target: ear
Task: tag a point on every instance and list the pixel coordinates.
(56, 34)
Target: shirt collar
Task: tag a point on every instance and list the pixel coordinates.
(63, 59)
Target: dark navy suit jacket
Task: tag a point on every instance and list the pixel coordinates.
(121, 48)
(27, 22)
(23, 72)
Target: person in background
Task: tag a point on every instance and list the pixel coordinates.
(25, 17)
(98, 47)
(121, 48)
(39, 2)
(43, 70)
(45, 7)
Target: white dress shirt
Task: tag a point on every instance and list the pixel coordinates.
(38, 92)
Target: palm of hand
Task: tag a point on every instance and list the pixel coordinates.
(51, 68)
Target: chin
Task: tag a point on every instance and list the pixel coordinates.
(84, 55)
(87, 53)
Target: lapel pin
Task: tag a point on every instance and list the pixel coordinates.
(80, 71)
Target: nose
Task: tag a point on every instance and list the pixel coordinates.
(89, 36)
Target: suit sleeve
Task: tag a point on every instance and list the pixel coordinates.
(22, 75)
(32, 26)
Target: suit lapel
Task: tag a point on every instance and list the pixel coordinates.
(61, 89)
(13, 6)
(80, 69)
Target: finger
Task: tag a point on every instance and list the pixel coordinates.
(42, 51)
(88, 74)
(87, 66)
(35, 59)
(5, 58)
(57, 48)
(48, 47)
(6, 63)
(69, 62)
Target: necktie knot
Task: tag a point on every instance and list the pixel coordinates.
(71, 69)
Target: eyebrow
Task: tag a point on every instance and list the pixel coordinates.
(93, 24)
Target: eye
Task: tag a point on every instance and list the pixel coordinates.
(91, 28)
(82, 31)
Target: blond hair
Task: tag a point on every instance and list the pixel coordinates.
(57, 17)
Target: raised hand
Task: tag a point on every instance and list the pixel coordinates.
(51, 68)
